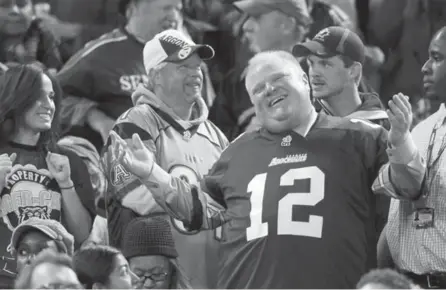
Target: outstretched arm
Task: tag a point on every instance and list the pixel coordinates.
(184, 202)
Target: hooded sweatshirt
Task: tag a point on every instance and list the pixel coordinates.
(183, 148)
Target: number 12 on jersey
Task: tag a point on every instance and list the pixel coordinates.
(285, 224)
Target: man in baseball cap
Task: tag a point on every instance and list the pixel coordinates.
(274, 24)
(34, 235)
(295, 8)
(333, 41)
(173, 46)
(170, 116)
(270, 25)
(335, 58)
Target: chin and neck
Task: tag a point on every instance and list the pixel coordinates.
(26, 137)
(182, 107)
(299, 124)
(343, 103)
(140, 30)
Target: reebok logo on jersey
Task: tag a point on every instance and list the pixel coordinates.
(296, 158)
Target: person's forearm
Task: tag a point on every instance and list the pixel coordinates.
(184, 202)
(76, 216)
(403, 176)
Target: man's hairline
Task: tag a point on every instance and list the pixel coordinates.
(290, 67)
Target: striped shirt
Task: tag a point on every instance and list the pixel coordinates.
(422, 250)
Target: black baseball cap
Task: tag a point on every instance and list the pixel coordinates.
(295, 8)
(331, 41)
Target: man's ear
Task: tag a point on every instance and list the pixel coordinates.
(130, 10)
(355, 72)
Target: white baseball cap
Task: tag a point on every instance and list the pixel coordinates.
(172, 46)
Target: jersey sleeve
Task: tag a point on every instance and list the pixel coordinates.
(403, 175)
(124, 187)
(198, 208)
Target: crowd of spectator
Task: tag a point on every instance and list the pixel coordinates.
(153, 144)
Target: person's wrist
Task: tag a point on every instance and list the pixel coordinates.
(67, 184)
(400, 140)
(148, 172)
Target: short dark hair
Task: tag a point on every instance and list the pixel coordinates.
(348, 62)
(23, 281)
(94, 264)
(387, 277)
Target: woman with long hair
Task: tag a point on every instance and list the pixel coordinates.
(102, 267)
(37, 178)
(150, 249)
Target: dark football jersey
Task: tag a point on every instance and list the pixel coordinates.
(301, 209)
(297, 212)
(107, 70)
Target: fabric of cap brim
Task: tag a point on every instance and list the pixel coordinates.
(18, 233)
(252, 7)
(311, 47)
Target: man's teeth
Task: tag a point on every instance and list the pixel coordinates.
(275, 101)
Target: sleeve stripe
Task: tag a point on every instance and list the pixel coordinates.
(126, 130)
(78, 57)
(382, 183)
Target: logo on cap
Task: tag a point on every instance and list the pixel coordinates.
(184, 52)
(322, 35)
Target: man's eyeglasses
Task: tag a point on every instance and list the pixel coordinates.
(155, 277)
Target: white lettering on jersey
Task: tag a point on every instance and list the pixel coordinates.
(27, 195)
(119, 175)
(131, 82)
(296, 158)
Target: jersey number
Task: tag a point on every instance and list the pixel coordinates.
(285, 224)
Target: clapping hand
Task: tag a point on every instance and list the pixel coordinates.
(6, 162)
(59, 167)
(135, 157)
(400, 117)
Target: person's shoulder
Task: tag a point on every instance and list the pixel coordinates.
(100, 47)
(141, 119)
(361, 128)
(210, 131)
(106, 40)
(243, 144)
(353, 124)
(70, 154)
